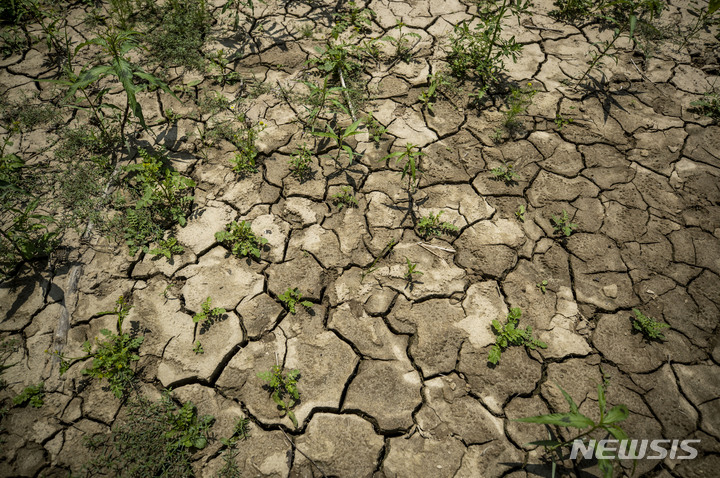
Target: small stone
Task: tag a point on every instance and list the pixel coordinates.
(610, 291)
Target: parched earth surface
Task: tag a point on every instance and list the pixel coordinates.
(395, 379)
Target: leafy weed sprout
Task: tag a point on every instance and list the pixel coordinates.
(562, 224)
(31, 395)
(649, 327)
(283, 389)
(520, 213)
(291, 297)
(432, 226)
(344, 198)
(412, 161)
(208, 314)
(505, 173)
(300, 163)
(608, 424)
(411, 271)
(113, 356)
(517, 102)
(509, 334)
(241, 240)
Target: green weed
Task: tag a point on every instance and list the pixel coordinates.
(432, 226)
(542, 286)
(178, 38)
(709, 105)
(505, 173)
(208, 314)
(340, 137)
(517, 103)
(561, 121)
(435, 83)
(300, 163)
(403, 50)
(508, 335)
(241, 432)
(411, 270)
(291, 297)
(150, 439)
(32, 395)
(224, 74)
(240, 239)
(198, 348)
(344, 198)
(283, 389)
(113, 356)
(412, 160)
(649, 327)
(351, 16)
(562, 224)
(608, 425)
(375, 129)
(520, 213)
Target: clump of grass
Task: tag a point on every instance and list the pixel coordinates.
(179, 36)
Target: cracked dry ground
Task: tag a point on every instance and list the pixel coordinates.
(394, 378)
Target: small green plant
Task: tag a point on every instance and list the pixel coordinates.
(300, 163)
(403, 50)
(339, 137)
(571, 10)
(384, 253)
(482, 51)
(542, 286)
(412, 160)
(208, 314)
(224, 73)
(344, 198)
(32, 395)
(180, 35)
(649, 327)
(432, 226)
(113, 356)
(167, 247)
(238, 5)
(520, 213)
(198, 348)
(709, 105)
(352, 16)
(150, 439)
(375, 129)
(411, 270)
(517, 102)
(509, 334)
(562, 224)
(240, 239)
(244, 160)
(161, 198)
(283, 389)
(435, 83)
(505, 173)
(241, 432)
(561, 121)
(292, 297)
(608, 424)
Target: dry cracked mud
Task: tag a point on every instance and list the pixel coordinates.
(394, 375)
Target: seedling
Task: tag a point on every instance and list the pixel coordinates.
(520, 213)
(344, 198)
(207, 314)
(283, 389)
(226, 75)
(375, 129)
(542, 286)
(112, 357)
(359, 19)
(198, 348)
(432, 226)
(167, 247)
(241, 239)
(505, 173)
(483, 51)
(428, 97)
(517, 102)
(508, 335)
(562, 224)
(300, 163)
(402, 43)
(561, 121)
(241, 432)
(339, 139)
(244, 160)
(412, 160)
(649, 327)
(32, 395)
(411, 270)
(709, 105)
(608, 424)
(292, 297)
